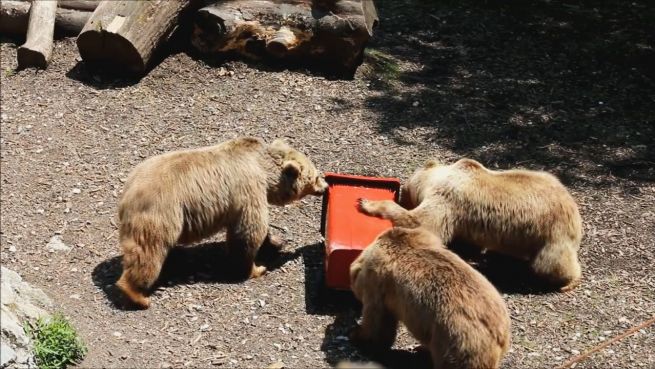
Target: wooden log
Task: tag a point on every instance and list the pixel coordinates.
(123, 35)
(86, 5)
(37, 49)
(329, 32)
(14, 16)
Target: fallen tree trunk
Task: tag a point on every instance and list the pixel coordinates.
(37, 49)
(332, 33)
(14, 16)
(124, 34)
(87, 5)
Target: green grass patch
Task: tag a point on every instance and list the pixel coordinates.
(56, 343)
(384, 66)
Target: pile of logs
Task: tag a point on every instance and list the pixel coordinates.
(124, 34)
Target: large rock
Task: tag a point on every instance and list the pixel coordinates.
(20, 303)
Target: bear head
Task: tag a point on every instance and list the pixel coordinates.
(296, 175)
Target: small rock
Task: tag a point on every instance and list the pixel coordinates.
(277, 365)
(12, 248)
(56, 244)
(415, 104)
(76, 190)
(4, 116)
(7, 354)
(117, 334)
(204, 327)
(75, 296)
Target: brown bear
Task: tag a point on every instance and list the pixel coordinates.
(407, 275)
(521, 213)
(188, 195)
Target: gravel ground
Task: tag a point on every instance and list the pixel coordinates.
(540, 85)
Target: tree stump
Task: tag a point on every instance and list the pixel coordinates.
(37, 49)
(123, 35)
(14, 17)
(330, 33)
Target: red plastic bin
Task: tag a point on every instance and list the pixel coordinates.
(347, 231)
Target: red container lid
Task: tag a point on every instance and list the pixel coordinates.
(347, 231)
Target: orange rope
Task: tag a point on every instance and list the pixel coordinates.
(586, 354)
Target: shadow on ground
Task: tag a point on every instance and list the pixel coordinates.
(542, 84)
(204, 263)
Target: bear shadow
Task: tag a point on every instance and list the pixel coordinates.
(346, 309)
(204, 263)
(509, 275)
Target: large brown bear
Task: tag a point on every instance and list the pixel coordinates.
(186, 196)
(524, 214)
(407, 275)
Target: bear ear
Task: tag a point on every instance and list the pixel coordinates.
(291, 169)
(430, 164)
(279, 143)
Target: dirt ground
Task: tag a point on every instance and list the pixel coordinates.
(537, 84)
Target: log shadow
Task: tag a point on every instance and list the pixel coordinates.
(269, 64)
(204, 263)
(99, 76)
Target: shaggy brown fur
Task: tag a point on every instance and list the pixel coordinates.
(186, 196)
(407, 275)
(525, 214)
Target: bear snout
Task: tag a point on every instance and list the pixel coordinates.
(320, 187)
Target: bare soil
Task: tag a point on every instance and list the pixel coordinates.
(537, 84)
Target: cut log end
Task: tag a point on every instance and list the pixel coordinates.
(37, 49)
(110, 50)
(123, 35)
(27, 57)
(283, 41)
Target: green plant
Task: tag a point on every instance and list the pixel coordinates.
(56, 343)
(384, 65)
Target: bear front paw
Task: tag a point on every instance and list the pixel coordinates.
(257, 271)
(363, 205)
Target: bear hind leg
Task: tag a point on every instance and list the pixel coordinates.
(141, 268)
(557, 263)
